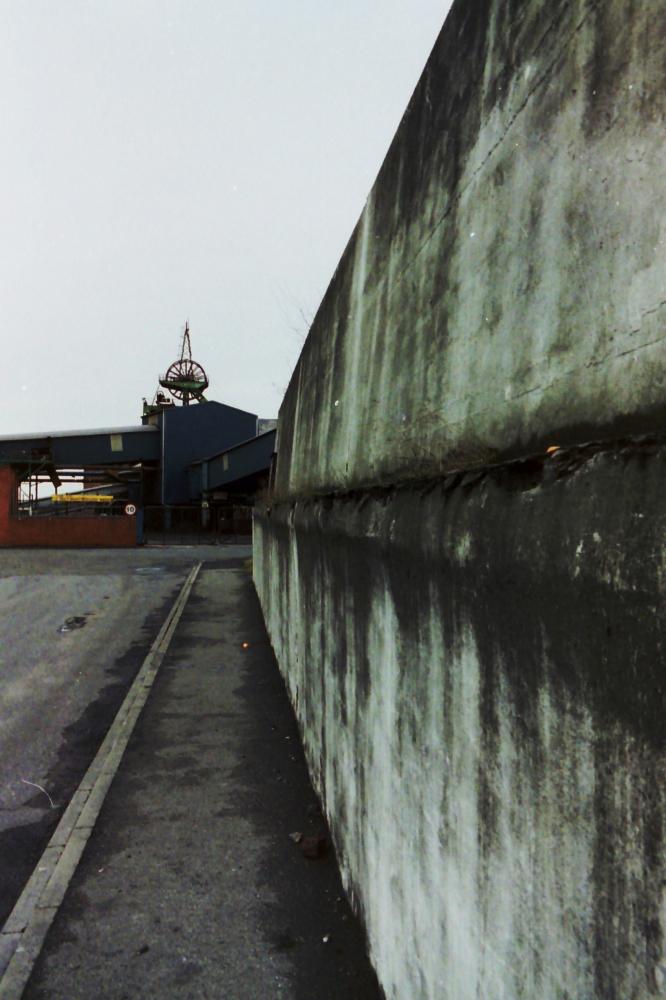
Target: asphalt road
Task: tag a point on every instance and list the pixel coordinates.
(75, 626)
(209, 874)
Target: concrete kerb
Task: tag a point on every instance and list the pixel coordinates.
(24, 931)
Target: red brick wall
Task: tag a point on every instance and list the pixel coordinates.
(59, 532)
(7, 492)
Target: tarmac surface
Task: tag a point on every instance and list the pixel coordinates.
(191, 884)
(75, 626)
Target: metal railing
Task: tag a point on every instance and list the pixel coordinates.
(65, 508)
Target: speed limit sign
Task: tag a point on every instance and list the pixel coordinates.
(130, 508)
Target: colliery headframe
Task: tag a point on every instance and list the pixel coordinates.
(191, 468)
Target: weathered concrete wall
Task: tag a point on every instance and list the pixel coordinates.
(478, 671)
(472, 631)
(505, 284)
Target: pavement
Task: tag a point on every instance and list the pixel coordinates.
(208, 871)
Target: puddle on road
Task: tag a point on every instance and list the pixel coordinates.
(143, 570)
(71, 624)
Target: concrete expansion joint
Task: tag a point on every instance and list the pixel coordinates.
(24, 931)
(559, 460)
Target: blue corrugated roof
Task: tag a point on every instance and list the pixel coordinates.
(134, 429)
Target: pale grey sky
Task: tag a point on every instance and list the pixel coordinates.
(164, 159)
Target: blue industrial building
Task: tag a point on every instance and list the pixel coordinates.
(197, 465)
(189, 469)
(241, 470)
(188, 434)
(159, 452)
(79, 449)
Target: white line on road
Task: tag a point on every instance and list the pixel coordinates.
(23, 934)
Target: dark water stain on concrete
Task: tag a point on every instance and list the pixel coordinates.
(559, 582)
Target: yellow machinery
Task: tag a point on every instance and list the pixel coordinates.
(82, 498)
